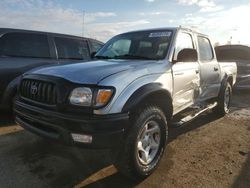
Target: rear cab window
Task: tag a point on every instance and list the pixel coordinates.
(205, 49)
(69, 48)
(28, 45)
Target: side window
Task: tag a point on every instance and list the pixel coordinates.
(24, 45)
(205, 49)
(184, 40)
(96, 45)
(71, 48)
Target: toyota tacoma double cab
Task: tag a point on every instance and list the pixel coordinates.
(140, 85)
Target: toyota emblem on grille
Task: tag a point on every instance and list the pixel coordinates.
(33, 89)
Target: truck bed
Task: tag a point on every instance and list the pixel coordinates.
(229, 68)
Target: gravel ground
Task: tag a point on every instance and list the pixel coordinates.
(208, 152)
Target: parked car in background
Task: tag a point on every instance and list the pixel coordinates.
(139, 85)
(23, 50)
(241, 55)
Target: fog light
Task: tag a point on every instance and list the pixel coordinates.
(82, 138)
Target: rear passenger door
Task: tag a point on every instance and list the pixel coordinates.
(209, 69)
(71, 50)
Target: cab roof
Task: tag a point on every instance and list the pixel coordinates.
(174, 29)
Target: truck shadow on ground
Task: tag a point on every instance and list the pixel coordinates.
(55, 165)
(61, 166)
(200, 121)
(117, 180)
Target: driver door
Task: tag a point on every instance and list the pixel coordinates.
(186, 79)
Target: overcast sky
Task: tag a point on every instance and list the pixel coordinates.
(221, 19)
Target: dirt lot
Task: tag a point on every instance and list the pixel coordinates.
(208, 152)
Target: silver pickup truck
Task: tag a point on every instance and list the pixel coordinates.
(139, 85)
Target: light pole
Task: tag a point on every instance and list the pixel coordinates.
(83, 16)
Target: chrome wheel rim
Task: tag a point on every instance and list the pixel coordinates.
(148, 142)
(227, 99)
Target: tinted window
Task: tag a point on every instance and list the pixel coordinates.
(205, 49)
(71, 48)
(145, 44)
(24, 45)
(96, 46)
(232, 54)
(184, 40)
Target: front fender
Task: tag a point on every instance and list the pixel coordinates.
(117, 104)
(143, 92)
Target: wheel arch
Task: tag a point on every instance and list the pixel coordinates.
(150, 93)
(227, 78)
(230, 80)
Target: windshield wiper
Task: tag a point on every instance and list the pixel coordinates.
(131, 56)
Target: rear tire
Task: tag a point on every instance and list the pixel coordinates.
(224, 100)
(145, 143)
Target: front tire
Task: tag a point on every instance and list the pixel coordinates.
(145, 143)
(224, 100)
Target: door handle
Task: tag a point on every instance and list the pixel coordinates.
(216, 69)
(197, 71)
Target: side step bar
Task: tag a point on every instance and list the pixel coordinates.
(193, 115)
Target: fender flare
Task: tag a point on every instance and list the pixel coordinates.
(145, 91)
(226, 78)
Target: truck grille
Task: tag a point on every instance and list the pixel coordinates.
(39, 91)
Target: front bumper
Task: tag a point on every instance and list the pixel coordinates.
(107, 131)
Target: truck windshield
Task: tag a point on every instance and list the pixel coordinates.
(144, 45)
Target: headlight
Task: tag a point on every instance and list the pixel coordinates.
(81, 96)
(103, 97)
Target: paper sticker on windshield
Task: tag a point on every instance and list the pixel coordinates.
(160, 34)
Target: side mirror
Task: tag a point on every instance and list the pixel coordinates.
(92, 55)
(187, 55)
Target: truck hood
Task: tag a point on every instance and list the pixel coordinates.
(91, 72)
